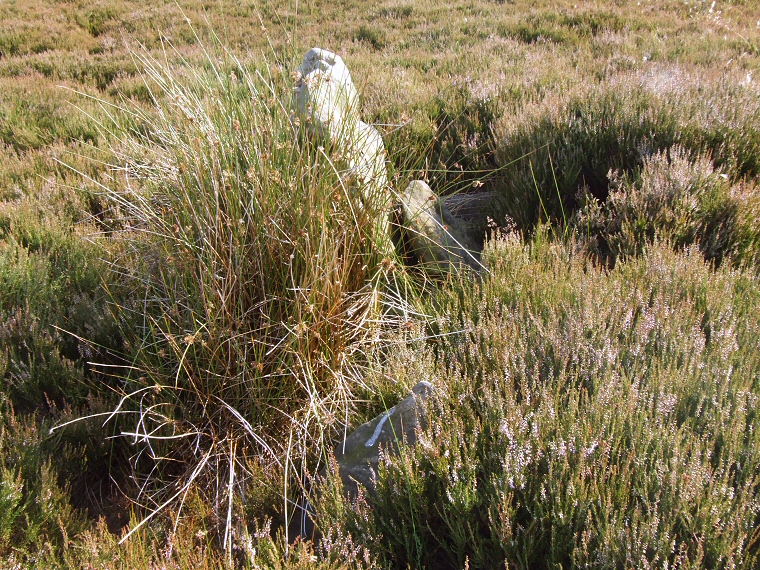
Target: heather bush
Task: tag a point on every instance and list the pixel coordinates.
(53, 320)
(566, 142)
(30, 120)
(49, 483)
(54, 314)
(460, 150)
(673, 199)
(583, 418)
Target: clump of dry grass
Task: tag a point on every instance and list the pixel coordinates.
(259, 295)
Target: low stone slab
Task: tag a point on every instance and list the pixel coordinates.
(435, 236)
(359, 455)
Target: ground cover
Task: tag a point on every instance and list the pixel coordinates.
(171, 251)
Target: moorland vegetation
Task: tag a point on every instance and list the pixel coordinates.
(193, 311)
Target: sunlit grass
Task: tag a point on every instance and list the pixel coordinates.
(260, 295)
(165, 234)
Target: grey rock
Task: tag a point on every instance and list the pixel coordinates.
(358, 456)
(326, 100)
(440, 240)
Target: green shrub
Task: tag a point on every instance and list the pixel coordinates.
(461, 150)
(371, 35)
(97, 20)
(674, 199)
(583, 417)
(51, 299)
(53, 314)
(450, 139)
(30, 121)
(36, 512)
(398, 12)
(11, 488)
(562, 28)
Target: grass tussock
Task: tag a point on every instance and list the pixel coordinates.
(259, 295)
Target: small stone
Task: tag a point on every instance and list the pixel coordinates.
(435, 236)
(358, 456)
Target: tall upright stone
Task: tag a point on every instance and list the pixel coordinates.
(327, 102)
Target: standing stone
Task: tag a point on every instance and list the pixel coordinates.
(326, 96)
(327, 102)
